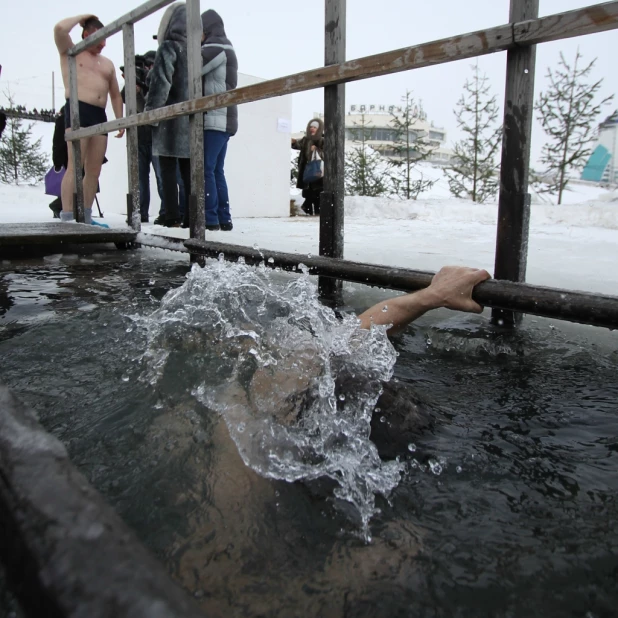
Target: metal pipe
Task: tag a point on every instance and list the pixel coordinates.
(573, 306)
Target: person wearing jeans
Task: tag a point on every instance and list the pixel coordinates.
(219, 74)
(215, 186)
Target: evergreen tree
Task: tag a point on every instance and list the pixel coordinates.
(21, 159)
(410, 147)
(472, 172)
(294, 168)
(366, 173)
(567, 112)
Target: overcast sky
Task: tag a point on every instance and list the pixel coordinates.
(278, 37)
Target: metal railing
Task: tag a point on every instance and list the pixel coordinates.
(518, 38)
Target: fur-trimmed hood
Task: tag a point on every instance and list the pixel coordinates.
(173, 25)
(313, 140)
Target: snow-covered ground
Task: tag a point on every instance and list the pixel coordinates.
(572, 246)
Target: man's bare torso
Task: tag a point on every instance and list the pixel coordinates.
(94, 73)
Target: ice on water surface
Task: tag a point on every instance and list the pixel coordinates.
(296, 385)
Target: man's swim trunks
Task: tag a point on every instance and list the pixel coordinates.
(89, 115)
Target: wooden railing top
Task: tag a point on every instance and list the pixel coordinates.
(589, 20)
(144, 10)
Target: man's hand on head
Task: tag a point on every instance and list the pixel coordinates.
(85, 18)
(452, 287)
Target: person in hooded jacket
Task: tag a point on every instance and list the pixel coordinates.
(168, 84)
(219, 74)
(312, 142)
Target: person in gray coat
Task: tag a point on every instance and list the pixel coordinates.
(219, 74)
(168, 84)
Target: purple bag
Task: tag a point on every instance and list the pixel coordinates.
(53, 181)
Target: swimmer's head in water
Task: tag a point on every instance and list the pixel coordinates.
(91, 25)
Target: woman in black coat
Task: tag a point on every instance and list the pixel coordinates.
(313, 142)
(168, 84)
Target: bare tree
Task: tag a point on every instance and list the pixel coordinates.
(568, 112)
(472, 172)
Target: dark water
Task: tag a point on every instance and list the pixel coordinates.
(508, 507)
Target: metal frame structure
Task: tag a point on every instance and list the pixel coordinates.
(518, 38)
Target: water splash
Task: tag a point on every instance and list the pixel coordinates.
(296, 386)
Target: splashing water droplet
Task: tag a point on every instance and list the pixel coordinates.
(244, 321)
(383, 419)
(412, 447)
(309, 255)
(271, 260)
(458, 469)
(429, 342)
(385, 309)
(256, 246)
(341, 397)
(435, 467)
(130, 329)
(125, 378)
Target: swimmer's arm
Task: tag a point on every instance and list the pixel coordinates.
(63, 28)
(115, 97)
(451, 287)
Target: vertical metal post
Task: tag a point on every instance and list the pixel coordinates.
(78, 192)
(196, 124)
(130, 94)
(514, 205)
(331, 200)
(53, 91)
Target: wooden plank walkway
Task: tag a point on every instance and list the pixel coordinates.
(56, 233)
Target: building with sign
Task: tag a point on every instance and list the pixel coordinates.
(380, 133)
(602, 166)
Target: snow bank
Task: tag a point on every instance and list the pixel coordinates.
(592, 214)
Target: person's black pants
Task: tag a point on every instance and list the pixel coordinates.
(170, 185)
(311, 205)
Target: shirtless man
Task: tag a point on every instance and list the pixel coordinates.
(96, 78)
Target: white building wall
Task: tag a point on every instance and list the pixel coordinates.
(257, 165)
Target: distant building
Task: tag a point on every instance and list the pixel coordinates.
(602, 166)
(380, 133)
